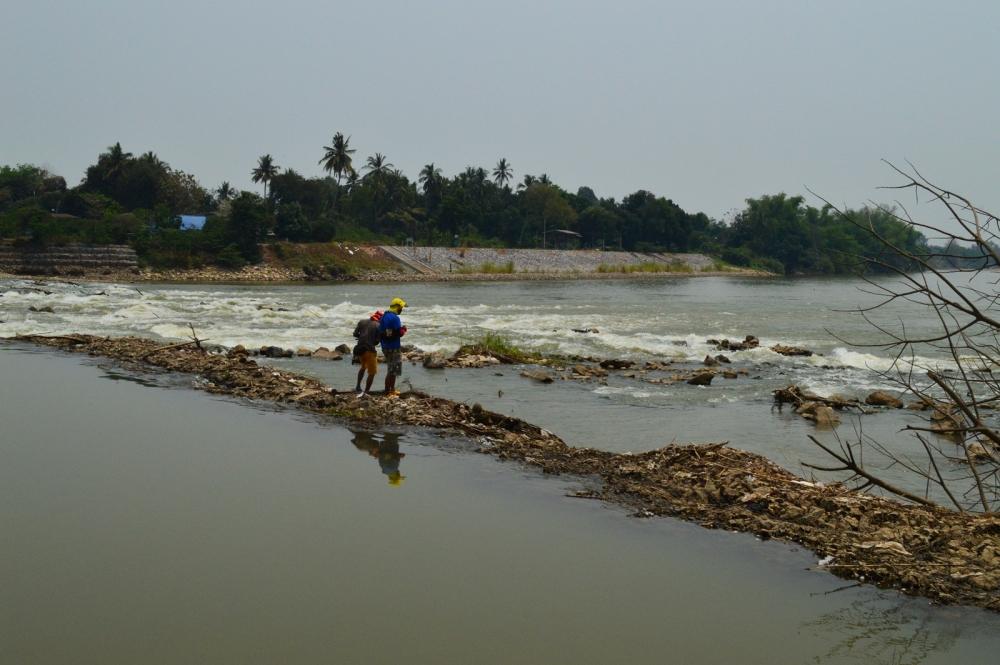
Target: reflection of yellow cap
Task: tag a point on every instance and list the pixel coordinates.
(396, 478)
(397, 303)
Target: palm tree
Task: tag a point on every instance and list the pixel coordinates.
(378, 165)
(151, 158)
(503, 172)
(116, 159)
(378, 168)
(225, 191)
(430, 178)
(337, 158)
(265, 171)
(528, 181)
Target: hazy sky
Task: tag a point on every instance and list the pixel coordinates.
(707, 103)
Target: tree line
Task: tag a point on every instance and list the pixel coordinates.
(124, 198)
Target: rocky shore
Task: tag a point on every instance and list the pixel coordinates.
(946, 556)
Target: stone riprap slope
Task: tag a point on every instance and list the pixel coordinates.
(67, 259)
(472, 259)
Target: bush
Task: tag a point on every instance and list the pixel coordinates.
(230, 258)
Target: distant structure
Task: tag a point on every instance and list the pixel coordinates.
(192, 222)
(564, 238)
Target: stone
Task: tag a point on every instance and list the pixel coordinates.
(275, 352)
(47, 309)
(702, 379)
(612, 363)
(882, 398)
(537, 375)
(825, 416)
(729, 374)
(723, 359)
(343, 348)
(303, 351)
(435, 361)
(710, 361)
(323, 353)
(791, 350)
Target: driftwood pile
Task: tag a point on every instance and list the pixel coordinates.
(949, 557)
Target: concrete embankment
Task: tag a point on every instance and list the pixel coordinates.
(485, 259)
(306, 262)
(946, 556)
(70, 260)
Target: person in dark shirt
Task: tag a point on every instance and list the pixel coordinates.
(392, 329)
(368, 335)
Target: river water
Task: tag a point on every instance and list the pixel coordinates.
(655, 319)
(145, 522)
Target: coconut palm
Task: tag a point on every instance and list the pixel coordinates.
(225, 191)
(337, 158)
(503, 173)
(378, 165)
(116, 159)
(265, 171)
(430, 178)
(152, 158)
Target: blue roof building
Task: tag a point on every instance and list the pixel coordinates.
(192, 222)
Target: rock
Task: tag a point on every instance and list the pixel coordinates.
(586, 330)
(537, 375)
(729, 374)
(237, 351)
(275, 352)
(46, 309)
(587, 371)
(303, 351)
(710, 361)
(882, 398)
(612, 363)
(825, 416)
(702, 378)
(324, 353)
(343, 348)
(791, 350)
(435, 361)
(749, 342)
(722, 359)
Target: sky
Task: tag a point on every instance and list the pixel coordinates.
(707, 103)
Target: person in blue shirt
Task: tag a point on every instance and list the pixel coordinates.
(392, 330)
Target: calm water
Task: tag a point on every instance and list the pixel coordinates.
(144, 522)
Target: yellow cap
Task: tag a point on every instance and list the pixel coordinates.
(398, 302)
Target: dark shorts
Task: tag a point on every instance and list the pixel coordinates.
(393, 361)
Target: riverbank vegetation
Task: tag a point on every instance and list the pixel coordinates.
(139, 200)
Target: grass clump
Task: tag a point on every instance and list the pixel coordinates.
(488, 268)
(645, 267)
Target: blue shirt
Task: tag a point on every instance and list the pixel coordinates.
(390, 322)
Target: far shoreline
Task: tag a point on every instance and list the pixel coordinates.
(262, 274)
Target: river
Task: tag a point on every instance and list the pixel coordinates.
(146, 522)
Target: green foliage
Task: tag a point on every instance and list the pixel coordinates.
(645, 267)
(124, 198)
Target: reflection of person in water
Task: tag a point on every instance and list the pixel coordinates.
(386, 451)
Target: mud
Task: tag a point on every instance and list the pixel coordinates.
(945, 556)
